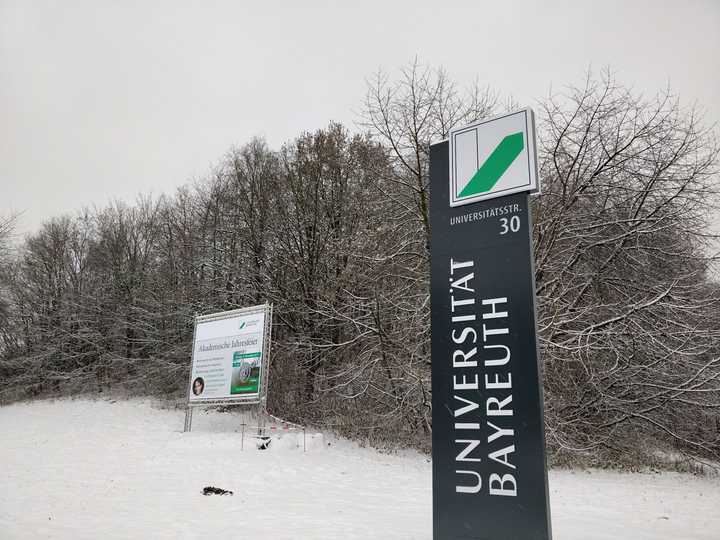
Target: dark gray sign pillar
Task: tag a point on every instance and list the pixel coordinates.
(489, 469)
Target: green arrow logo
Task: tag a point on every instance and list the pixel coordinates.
(495, 165)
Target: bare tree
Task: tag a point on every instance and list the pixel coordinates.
(407, 114)
(621, 233)
(7, 226)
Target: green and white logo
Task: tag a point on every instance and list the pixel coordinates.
(492, 158)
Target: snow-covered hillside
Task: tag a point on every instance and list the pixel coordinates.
(80, 469)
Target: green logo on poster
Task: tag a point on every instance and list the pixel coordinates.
(242, 325)
(495, 165)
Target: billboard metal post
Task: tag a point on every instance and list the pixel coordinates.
(262, 403)
(489, 467)
(188, 409)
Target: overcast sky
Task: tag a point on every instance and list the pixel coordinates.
(107, 99)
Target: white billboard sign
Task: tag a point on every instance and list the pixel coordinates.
(493, 157)
(230, 356)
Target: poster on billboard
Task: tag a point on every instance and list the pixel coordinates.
(230, 356)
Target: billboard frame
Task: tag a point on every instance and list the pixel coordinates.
(261, 398)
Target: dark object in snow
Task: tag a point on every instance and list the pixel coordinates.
(209, 490)
(263, 443)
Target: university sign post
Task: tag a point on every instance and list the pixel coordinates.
(489, 468)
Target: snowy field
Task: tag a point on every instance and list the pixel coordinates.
(78, 469)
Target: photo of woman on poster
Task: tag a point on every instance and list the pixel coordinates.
(198, 386)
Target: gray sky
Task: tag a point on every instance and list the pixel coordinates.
(103, 99)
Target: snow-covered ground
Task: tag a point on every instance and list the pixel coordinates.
(76, 469)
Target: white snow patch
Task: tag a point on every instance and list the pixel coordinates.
(80, 469)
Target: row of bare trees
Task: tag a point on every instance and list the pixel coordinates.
(333, 229)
